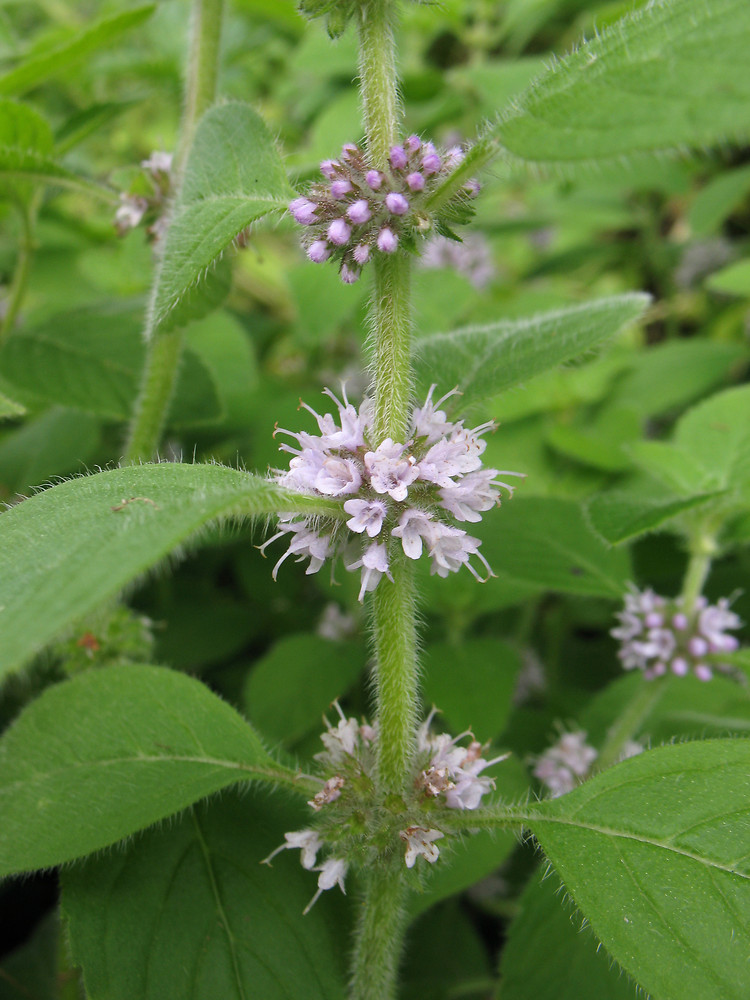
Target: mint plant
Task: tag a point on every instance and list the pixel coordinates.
(572, 711)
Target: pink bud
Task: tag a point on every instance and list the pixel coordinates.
(415, 181)
(339, 232)
(359, 212)
(303, 211)
(697, 646)
(348, 150)
(318, 252)
(654, 620)
(431, 163)
(396, 203)
(472, 187)
(361, 253)
(679, 621)
(340, 188)
(703, 672)
(453, 157)
(374, 179)
(328, 169)
(349, 274)
(679, 666)
(387, 240)
(398, 157)
(413, 143)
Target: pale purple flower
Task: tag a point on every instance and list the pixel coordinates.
(387, 240)
(396, 203)
(341, 741)
(413, 528)
(367, 515)
(158, 163)
(453, 157)
(392, 470)
(339, 232)
(307, 841)
(306, 543)
(562, 766)
(129, 213)
(338, 477)
(328, 169)
(359, 211)
(455, 771)
(349, 275)
(451, 548)
(712, 622)
(303, 211)
(420, 841)
(374, 563)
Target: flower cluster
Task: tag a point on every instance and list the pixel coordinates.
(358, 211)
(472, 257)
(566, 763)
(149, 201)
(409, 492)
(659, 637)
(447, 775)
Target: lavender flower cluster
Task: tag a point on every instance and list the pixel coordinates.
(568, 762)
(658, 637)
(447, 775)
(133, 208)
(359, 211)
(408, 492)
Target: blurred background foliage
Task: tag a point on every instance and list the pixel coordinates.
(511, 659)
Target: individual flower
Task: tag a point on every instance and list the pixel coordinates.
(307, 841)
(332, 872)
(563, 765)
(357, 211)
(418, 841)
(413, 493)
(658, 637)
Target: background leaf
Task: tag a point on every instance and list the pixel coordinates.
(655, 853)
(619, 516)
(485, 360)
(112, 751)
(65, 551)
(667, 75)
(187, 910)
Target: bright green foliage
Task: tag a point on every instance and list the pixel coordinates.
(655, 853)
(666, 76)
(9, 408)
(292, 686)
(574, 966)
(233, 176)
(717, 199)
(70, 548)
(620, 516)
(112, 751)
(484, 360)
(716, 435)
(188, 911)
(732, 280)
(21, 167)
(91, 359)
(548, 544)
(481, 704)
(23, 131)
(52, 62)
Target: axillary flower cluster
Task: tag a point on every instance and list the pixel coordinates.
(658, 637)
(354, 828)
(358, 211)
(408, 493)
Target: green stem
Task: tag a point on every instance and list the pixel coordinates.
(394, 627)
(378, 79)
(17, 288)
(696, 574)
(628, 725)
(391, 319)
(379, 937)
(165, 350)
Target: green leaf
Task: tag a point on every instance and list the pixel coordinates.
(485, 360)
(30, 971)
(668, 464)
(233, 176)
(732, 280)
(666, 76)
(9, 408)
(482, 706)
(97, 758)
(40, 67)
(545, 542)
(655, 853)
(574, 966)
(67, 550)
(22, 129)
(188, 911)
(91, 359)
(619, 516)
(717, 200)
(18, 166)
(289, 689)
(55, 443)
(716, 435)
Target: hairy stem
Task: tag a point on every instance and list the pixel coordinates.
(391, 321)
(378, 79)
(379, 936)
(165, 350)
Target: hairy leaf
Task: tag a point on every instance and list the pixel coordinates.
(68, 549)
(666, 76)
(655, 853)
(112, 751)
(619, 516)
(233, 176)
(188, 911)
(485, 360)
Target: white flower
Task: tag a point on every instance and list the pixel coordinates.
(429, 422)
(451, 548)
(374, 563)
(413, 527)
(563, 764)
(337, 477)
(158, 163)
(332, 872)
(342, 741)
(419, 840)
(305, 543)
(367, 515)
(307, 841)
(129, 213)
(390, 471)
